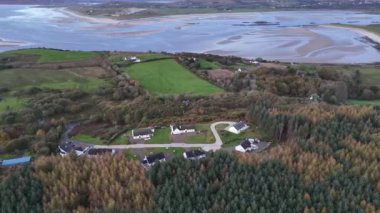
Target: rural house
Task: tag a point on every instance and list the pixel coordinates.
(67, 148)
(237, 128)
(180, 129)
(145, 134)
(150, 160)
(194, 154)
(246, 146)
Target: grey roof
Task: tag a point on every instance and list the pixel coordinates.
(69, 147)
(184, 126)
(240, 125)
(194, 153)
(245, 144)
(16, 161)
(155, 157)
(145, 131)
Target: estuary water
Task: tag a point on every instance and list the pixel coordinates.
(292, 36)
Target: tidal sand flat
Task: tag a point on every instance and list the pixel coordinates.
(293, 38)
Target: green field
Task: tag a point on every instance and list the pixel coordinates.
(208, 65)
(370, 76)
(167, 77)
(205, 135)
(53, 56)
(161, 136)
(88, 139)
(365, 102)
(11, 104)
(47, 79)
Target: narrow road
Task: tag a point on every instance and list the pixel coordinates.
(206, 147)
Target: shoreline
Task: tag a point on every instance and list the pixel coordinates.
(365, 33)
(90, 19)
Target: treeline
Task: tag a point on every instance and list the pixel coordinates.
(221, 184)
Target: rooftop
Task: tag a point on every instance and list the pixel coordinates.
(145, 131)
(240, 125)
(16, 161)
(184, 126)
(194, 153)
(155, 157)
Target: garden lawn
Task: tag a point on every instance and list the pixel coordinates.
(365, 102)
(11, 104)
(230, 139)
(204, 136)
(88, 139)
(173, 152)
(122, 139)
(161, 136)
(53, 56)
(167, 77)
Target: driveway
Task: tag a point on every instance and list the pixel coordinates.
(206, 147)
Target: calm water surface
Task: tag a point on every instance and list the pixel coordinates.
(294, 35)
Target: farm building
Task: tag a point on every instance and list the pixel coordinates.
(145, 134)
(16, 161)
(237, 128)
(180, 129)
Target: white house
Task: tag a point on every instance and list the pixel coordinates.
(194, 154)
(150, 160)
(246, 146)
(145, 134)
(237, 128)
(67, 148)
(133, 59)
(242, 69)
(180, 129)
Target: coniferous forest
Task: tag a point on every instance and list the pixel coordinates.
(327, 161)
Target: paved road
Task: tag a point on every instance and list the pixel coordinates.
(207, 147)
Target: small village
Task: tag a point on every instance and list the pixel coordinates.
(140, 138)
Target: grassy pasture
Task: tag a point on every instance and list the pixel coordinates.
(53, 56)
(11, 104)
(167, 77)
(208, 65)
(47, 79)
